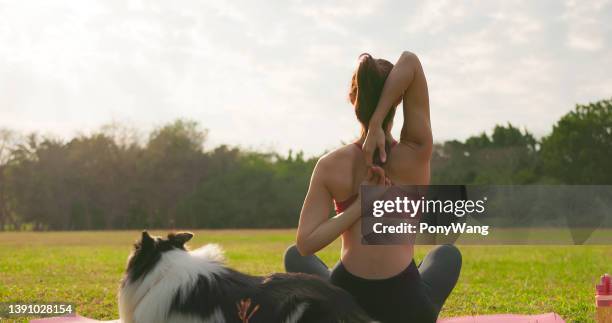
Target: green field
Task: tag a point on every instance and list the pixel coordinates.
(85, 268)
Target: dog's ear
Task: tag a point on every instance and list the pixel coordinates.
(180, 238)
(146, 240)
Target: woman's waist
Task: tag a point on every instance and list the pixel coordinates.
(376, 262)
(343, 273)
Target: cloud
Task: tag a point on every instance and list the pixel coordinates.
(276, 75)
(436, 16)
(587, 29)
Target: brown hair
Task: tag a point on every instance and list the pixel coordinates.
(366, 87)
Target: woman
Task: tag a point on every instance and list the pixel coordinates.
(384, 280)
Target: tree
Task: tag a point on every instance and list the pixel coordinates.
(579, 149)
(174, 163)
(8, 141)
(508, 156)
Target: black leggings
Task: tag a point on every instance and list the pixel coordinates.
(414, 295)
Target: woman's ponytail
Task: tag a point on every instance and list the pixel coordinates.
(366, 87)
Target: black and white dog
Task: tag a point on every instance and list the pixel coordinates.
(164, 282)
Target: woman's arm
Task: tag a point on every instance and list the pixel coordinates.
(406, 81)
(316, 230)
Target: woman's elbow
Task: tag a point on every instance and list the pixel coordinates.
(303, 248)
(409, 56)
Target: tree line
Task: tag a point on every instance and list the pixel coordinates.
(111, 180)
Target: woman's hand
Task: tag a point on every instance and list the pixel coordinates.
(375, 138)
(376, 176)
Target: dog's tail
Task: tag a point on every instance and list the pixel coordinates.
(211, 251)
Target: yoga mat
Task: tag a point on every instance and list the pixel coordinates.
(71, 319)
(506, 318)
(499, 318)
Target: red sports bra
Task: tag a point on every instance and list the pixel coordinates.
(341, 206)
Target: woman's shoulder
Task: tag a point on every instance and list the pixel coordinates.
(341, 154)
(339, 159)
(337, 168)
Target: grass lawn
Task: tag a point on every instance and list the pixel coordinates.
(85, 268)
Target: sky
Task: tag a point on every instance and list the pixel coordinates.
(274, 75)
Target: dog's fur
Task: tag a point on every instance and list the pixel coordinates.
(164, 282)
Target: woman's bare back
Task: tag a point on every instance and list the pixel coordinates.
(345, 170)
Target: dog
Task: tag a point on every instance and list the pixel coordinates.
(165, 282)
